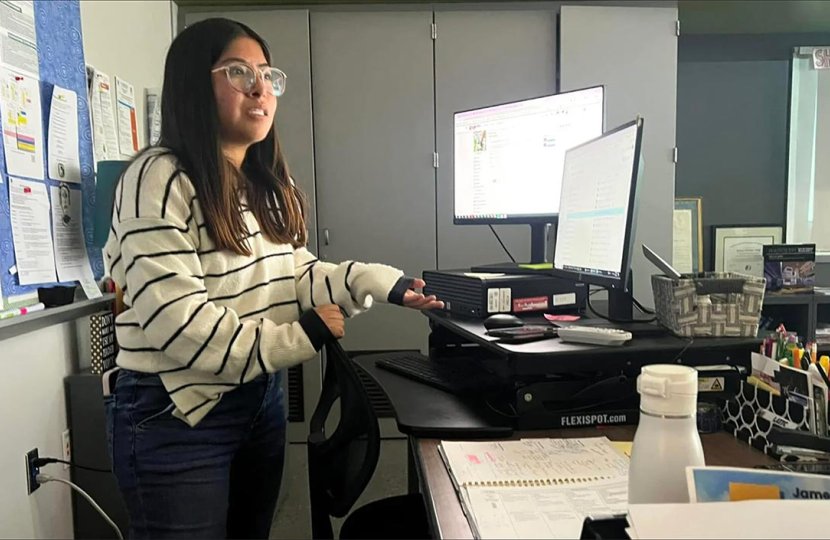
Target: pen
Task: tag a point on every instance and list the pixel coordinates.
(822, 374)
(9, 313)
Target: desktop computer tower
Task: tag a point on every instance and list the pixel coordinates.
(482, 294)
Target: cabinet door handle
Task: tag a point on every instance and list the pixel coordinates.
(325, 237)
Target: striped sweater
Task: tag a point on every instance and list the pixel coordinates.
(208, 320)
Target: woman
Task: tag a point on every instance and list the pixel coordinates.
(207, 244)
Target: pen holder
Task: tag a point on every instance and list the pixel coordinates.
(776, 395)
(750, 415)
(709, 305)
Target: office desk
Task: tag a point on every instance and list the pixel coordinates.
(427, 415)
(447, 519)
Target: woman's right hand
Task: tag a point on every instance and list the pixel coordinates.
(333, 317)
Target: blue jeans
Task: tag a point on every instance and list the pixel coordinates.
(220, 479)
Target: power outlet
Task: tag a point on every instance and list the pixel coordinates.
(67, 449)
(31, 470)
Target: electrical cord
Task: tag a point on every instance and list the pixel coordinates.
(683, 350)
(502, 244)
(40, 462)
(44, 478)
(641, 307)
(620, 321)
(513, 414)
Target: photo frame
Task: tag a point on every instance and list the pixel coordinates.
(687, 254)
(740, 248)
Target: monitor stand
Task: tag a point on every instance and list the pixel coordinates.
(537, 264)
(621, 307)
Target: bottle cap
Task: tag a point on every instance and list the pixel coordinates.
(668, 390)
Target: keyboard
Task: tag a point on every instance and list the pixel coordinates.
(459, 376)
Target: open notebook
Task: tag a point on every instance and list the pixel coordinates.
(536, 488)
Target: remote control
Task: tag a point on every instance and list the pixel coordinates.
(594, 335)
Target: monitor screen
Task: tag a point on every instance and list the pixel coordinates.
(597, 212)
(508, 158)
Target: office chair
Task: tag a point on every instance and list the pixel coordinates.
(341, 464)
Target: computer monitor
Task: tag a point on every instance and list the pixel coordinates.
(598, 212)
(509, 159)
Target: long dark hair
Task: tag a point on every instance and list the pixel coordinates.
(190, 130)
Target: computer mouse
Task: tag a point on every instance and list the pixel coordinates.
(502, 320)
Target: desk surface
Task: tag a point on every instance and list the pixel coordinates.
(553, 355)
(447, 517)
(473, 329)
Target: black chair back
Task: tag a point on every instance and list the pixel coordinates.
(341, 464)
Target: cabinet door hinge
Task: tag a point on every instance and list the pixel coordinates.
(677, 28)
(434, 30)
(674, 155)
(435, 159)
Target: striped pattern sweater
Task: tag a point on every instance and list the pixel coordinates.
(209, 320)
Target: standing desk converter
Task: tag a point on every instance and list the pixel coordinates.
(557, 384)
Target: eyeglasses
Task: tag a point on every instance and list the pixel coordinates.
(243, 76)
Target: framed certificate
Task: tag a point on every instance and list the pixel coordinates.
(687, 255)
(741, 248)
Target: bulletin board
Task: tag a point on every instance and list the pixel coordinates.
(61, 62)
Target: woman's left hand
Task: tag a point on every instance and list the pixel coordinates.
(415, 300)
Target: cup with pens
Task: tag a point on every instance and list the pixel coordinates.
(785, 348)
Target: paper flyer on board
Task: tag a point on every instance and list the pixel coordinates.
(714, 484)
(104, 132)
(63, 156)
(127, 121)
(71, 257)
(33, 251)
(18, 37)
(22, 127)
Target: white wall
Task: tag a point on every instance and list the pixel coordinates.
(129, 38)
(32, 369)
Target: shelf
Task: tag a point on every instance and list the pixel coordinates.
(51, 316)
(773, 299)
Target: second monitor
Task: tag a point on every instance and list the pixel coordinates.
(595, 237)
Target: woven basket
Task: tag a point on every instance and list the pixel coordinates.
(715, 305)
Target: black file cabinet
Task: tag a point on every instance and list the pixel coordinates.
(87, 422)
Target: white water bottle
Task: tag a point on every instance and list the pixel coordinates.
(666, 441)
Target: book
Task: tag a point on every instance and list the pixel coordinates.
(97, 347)
(536, 488)
(790, 268)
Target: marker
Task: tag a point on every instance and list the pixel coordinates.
(9, 313)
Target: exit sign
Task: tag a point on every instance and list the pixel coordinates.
(821, 58)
